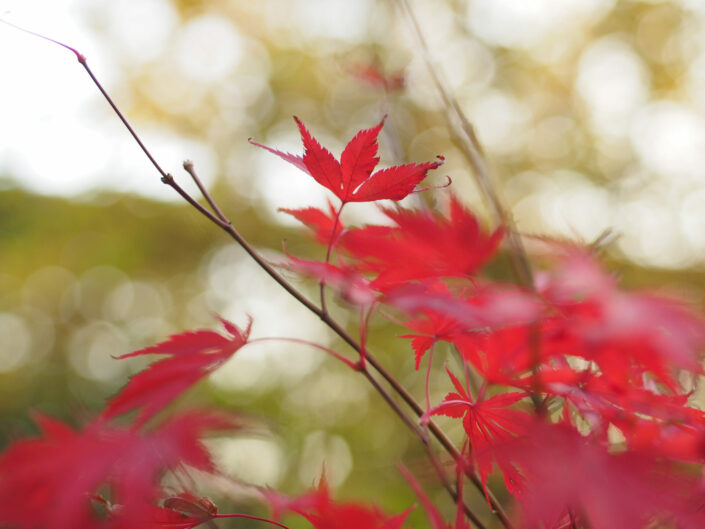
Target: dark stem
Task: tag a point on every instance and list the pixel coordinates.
(84, 63)
(169, 180)
(456, 494)
(188, 167)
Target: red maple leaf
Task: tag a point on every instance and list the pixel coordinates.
(321, 223)
(423, 244)
(351, 179)
(566, 472)
(489, 424)
(434, 516)
(456, 318)
(373, 75)
(353, 287)
(626, 333)
(324, 513)
(192, 356)
(51, 481)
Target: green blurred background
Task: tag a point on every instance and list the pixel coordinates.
(592, 114)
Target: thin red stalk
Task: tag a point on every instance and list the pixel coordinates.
(431, 510)
(329, 251)
(469, 385)
(251, 517)
(333, 325)
(353, 365)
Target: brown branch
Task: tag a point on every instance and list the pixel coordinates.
(188, 167)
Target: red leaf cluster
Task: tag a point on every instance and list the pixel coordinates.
(421, 245)
(51, 481)
(192, 356)
(568, 474)
(323, 512)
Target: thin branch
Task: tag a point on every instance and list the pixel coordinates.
(456, 494)
(84, 63)
(82, 60)
(188, 167)
(169, 180)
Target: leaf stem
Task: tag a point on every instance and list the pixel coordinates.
(251, 517)
(329, 251)
(352, 365)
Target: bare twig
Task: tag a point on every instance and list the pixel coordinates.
(188, 167)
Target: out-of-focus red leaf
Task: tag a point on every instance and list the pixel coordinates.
(626, 333)
(353, 287)
(566, 472)
(50, 481)
(352, 179)
(372, 75)
(324, 513)
(455, 318)
(321, 223)
(193, 355)
(423, 244)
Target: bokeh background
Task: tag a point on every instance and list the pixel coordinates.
(591, 112)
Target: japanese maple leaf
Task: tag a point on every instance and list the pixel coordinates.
(567, 472)
(321, 223)
(50, 481)
(370, 73)
(488, 423)
(192, 356)
(324, 513)
(353, 287)
(423, 244)
(351, 179)
(626, 333)
(455, 318)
